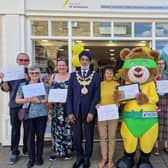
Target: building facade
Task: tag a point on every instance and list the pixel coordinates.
(49, 29)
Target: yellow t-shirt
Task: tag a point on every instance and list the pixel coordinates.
(107, 90)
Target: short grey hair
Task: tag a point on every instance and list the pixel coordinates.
(22, 53)
(34, 68)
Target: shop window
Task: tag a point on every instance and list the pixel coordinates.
(143, 29)
(161, 29)
(40, 28)
(122, 29)
(80, 28)
(162, 45)
(102, 29)
(59, 28)
(46, 53)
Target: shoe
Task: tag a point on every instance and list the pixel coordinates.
(156, 151)
(67, 157)
(78, 163)
(102, 163)
(39, 162)
(110, 164)
(30, 164)
(13, 159)
(53, 156)
(86, 164)
(166, 150)
(24, 151)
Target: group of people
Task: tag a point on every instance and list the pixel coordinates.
(70, 120)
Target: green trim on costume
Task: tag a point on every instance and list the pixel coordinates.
(137, 124)
(148, 63)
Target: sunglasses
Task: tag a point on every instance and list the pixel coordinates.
(23, 60)
(34, 73)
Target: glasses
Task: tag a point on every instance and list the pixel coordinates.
(161, 63)
(23, 60)
(34, 73)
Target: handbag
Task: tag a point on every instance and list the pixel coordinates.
(23, 113)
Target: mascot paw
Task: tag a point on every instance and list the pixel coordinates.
(141, 98)
(125, 162)
(116, 97)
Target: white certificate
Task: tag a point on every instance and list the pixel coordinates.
(108, 112)
(57, 95)
(129, 92)
(35, 89)
(162, 86)
(13, 73)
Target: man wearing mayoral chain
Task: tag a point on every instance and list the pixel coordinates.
(83, 95)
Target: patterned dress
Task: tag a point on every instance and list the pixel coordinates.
(60, 127)
(163, 117)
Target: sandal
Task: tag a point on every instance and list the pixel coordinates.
(110, 164)
(102, 163)
(166, 150)
(156, 151)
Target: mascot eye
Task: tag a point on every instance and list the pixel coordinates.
(132, 64)
(144, 64)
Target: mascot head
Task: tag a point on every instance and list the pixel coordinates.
(139, 65)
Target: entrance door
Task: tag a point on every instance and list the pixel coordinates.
(108, 52)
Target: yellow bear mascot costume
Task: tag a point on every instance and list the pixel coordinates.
(139, 116)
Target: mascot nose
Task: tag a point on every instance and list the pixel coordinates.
(138, 69)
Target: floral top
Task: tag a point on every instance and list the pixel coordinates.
(35, 110)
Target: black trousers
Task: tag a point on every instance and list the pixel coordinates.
(35, 131)
(79, 127)
(15, 132)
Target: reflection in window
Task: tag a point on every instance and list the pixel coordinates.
(59, 28)
(46, 53)
(102, 29)
(81, 28)
(161, 29)
(40, 28)
(143, 29)
(122, 29)
(161, 44)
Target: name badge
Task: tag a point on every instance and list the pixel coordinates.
(149, 115)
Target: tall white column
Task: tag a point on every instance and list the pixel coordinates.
(13, 42)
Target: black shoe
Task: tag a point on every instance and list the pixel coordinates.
(125, 162)
(78, 163)
(86, 164)
(30, 164)
(39, 162)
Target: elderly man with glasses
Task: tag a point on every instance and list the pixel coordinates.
(12, 87)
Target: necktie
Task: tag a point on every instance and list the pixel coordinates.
(84, 74)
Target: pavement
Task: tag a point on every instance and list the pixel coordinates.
(157, 161)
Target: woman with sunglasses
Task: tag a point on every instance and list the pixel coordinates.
(37, 118)
(60, 127)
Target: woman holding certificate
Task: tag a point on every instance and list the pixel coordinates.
(163, 105)
(107, 128)
(37, 115)
(60, 127)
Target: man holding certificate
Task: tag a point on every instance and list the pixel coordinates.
(83, 95)
(11, 87)
(107, 127)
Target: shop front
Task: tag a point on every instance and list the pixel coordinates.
(49, 29)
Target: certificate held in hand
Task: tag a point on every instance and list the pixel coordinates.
(129, 92)
(108, 112)
(35, 89)
(57, 95)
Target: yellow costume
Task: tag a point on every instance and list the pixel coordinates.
(134, 125)
(139, 116)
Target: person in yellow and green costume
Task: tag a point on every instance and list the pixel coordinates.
(139, 117)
